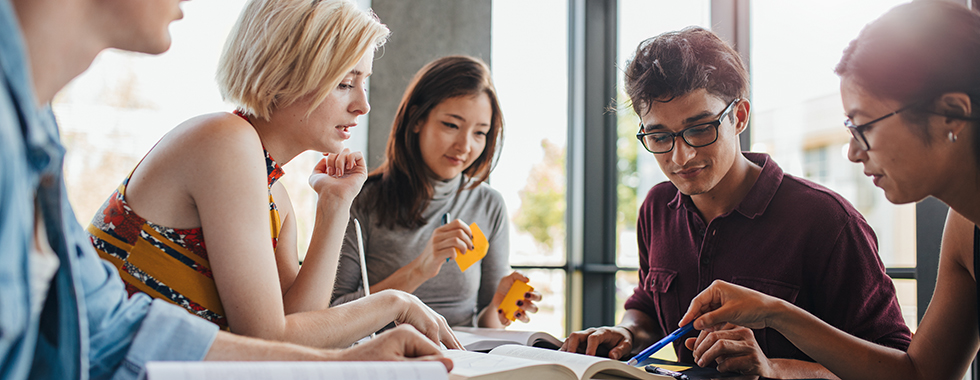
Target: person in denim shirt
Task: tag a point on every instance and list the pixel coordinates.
(67, 316)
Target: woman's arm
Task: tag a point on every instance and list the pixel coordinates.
(440, 248)
(229, 188)
(314, 282)
(341, 326)
(942, 348)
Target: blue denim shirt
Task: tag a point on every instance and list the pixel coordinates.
(88, 327)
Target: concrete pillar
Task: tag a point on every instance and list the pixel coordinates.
(421, 30)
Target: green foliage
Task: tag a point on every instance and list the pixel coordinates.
(542, 211)
(627, 176)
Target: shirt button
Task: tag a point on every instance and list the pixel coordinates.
(705, 260)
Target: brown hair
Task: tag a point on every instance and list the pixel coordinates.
(676, 63)
(404, 188)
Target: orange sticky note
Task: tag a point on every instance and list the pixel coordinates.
(509, 305)
(480, 244)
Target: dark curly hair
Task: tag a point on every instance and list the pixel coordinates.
(676, 63)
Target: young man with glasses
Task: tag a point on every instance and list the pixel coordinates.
(735, 216)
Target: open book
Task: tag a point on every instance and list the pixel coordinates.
(485, 339)
(294, 370)
(521, 362)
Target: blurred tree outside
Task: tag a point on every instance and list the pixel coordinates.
(628, 177)
(542, 211)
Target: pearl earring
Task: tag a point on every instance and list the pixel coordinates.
(952, 137)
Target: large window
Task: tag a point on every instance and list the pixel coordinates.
(530, 72)
(798, 116)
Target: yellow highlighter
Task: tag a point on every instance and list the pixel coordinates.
(479, 251)
(509, 305)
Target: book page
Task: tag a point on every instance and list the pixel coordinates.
(480, 343)
(476, 365)
(486, 338)
(578, 363)
(584, 366)
(295, 370)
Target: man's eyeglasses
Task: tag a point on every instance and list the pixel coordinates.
(857, 131)
(696, 136)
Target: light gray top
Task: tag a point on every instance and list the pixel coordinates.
(456, 295)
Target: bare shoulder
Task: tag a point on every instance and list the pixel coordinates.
(957, 247)
(220, 129)
(215, 149)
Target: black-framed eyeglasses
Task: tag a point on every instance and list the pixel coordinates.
(696, 136)
(857, 131)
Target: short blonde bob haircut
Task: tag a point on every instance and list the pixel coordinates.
(282, 50)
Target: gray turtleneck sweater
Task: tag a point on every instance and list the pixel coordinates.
(456, 295)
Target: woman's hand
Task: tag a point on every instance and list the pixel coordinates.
(525, 305)
(431, 324)
(724, 303)
(339, 175)
(445, 240)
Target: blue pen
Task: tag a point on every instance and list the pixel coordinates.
(643, 355)
(445, 221)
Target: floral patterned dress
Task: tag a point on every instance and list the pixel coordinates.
(164, 262)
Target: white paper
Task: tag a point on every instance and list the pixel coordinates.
(295, 370)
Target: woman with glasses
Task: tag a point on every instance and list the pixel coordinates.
(910, 85)
(415, 210)
(295, 71)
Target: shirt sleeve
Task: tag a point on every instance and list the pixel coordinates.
(126, 332)
(496, 264)
(856, 295)
(348, 285)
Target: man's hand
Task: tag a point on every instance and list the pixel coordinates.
(590, 340)
(402, 343)
(733, 348)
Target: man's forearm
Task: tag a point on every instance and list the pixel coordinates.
(639, 325)
(231, 347)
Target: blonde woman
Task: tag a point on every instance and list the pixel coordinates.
(296, 71)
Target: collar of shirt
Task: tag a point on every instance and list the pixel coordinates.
(758, 198)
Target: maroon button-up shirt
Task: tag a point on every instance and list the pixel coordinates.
(789, 238)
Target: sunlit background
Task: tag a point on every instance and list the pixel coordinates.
(114, 113)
